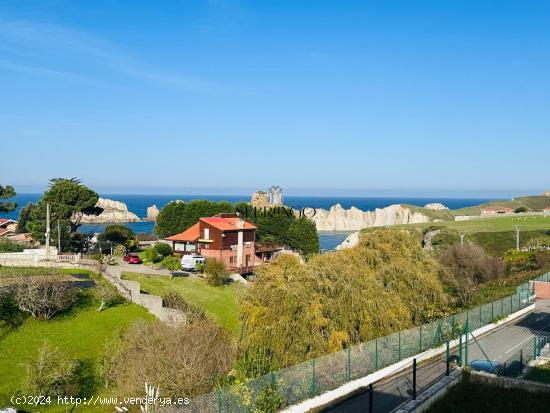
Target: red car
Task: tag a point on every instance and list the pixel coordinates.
(132, 259)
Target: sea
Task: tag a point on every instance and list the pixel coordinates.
(138, 204)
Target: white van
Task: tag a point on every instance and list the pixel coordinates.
(189, 262)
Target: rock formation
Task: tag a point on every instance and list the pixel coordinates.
(354, 219)
(351, 241)
(260, 199)
(435, 206)
(152, 213)
(428, 237)
(547, 193)
(113, 212)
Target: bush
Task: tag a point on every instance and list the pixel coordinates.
(162, 249)
(180, 360)
(521, 260)
(171, 263)
(192, 312)
(106, 294)
(215, 271)
(465, 267)
(44, 296)
(151, 255)
(52, 373)
(10, 246)
(119, 250)
(521, 209)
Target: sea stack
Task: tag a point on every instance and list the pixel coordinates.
(113, 212)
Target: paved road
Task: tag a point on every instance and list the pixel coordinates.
(500, 345)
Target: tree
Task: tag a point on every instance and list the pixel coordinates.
(215, 271)
(51, 373)
(24, 217)
(302, 235)
(177, 216)
(295, 311)
(44, 296)
(7, 192)
(180, 360)
(117, 234)
(162, 249)
(107, 295)
(69, 200)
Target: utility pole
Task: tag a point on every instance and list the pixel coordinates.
(58, 237)
(517, 237)
(48, 230)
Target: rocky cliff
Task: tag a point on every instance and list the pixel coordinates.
(113, 212)
(339, 219)
(152, 213)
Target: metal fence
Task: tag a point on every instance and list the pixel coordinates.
(311, 378)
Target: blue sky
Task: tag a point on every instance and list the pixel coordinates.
(320, 97)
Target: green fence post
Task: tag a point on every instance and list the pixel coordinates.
(492, 310)
(460, 349)
(534, 347)
(467, 339)
(502, 306)
(376, 353)
(313, 379)
(219, 400)
(511, 304)
(447, 355)
(273, 378)
(349, 363)
(420, 341)
(538, 347)
(399, 345)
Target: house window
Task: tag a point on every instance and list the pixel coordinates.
(231, 260)
(207, 233)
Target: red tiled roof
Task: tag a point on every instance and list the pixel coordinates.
(191, 234)
(7, 221)
(227, 223)
(4, 230)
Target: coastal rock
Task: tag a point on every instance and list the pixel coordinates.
(339, 219)
(260, 199)
(113, 212)
(435, 206)
(351, 241)
(152, 213)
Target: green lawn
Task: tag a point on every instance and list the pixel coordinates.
(80, 333)
(220, 302)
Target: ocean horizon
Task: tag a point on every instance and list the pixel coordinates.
(138, 204)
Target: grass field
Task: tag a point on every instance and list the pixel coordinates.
(468, 397)
(496, 235)
(219, 302)
(80, 333)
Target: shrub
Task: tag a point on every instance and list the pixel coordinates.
(180, 360)
(171, 263)
(215, 271)
(162, 249)
(44, 296)
(119, 250)
(10, 246)
(521, 209)
(521, 260)
(192, 312)
(106, 294)
(152, 255)
(52, 373)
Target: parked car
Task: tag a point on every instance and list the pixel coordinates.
(132, 259)
(190, 262)
(488, 366)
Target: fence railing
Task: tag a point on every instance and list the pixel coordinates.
(313, 377)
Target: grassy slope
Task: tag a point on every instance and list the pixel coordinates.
(220, 302)
(539, 373)
(81, 333)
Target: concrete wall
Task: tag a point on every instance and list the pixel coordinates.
(542, 289)
(509, 383)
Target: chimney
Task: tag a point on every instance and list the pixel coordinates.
(239, 223)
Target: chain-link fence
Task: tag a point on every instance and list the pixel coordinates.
(311, 378)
